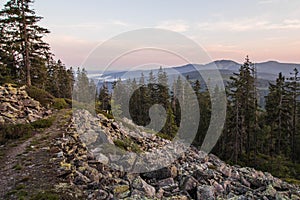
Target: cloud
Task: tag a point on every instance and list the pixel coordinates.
(250, 25)
(93, 25)
(176, 25)
(265, 1)
(120, 23)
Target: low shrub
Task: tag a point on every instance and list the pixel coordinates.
(43, 123)
(164, 136)
(12, 131)
(17, 131)
(59, 103)
(128, 145)
(44, 97)
(45, 195)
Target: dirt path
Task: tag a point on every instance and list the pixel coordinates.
(26, 167)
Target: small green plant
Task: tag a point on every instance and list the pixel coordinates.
(18, 167)
(59, 104)
(12, 131)
(43, 123)
(45, 195)
(164, 136)
(292, 181)
(40, 95)
(22, 195)
(20, 187)
(128, 145)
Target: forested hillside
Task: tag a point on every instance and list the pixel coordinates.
(266, 138)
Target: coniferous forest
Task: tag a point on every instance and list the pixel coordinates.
(266, 138)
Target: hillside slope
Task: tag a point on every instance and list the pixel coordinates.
(73, 159)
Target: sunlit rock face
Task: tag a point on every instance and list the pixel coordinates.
(16, 107)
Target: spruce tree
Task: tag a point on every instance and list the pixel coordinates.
(278, 116)
(23, 40)
(241, 92)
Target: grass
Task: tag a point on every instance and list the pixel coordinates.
(25, 179)
(20, 187)
(43, 123)
(164, 136)
(45, 195)
(2, 154)
(11, 131)
(128, 145)
(60, 104)
(18, 167)
(292, 181)
(22, 131)
(44, 97)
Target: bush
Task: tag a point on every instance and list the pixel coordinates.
(59, 104)
(11, 131)
(46, 195)
(107, 115)
(43, 123)
(164, 136)
(128, 145)
(45, 98)
(17, 131)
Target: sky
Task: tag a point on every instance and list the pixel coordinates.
(263, 29)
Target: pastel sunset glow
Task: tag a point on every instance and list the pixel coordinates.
(264, 29)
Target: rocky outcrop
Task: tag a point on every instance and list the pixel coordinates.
(194, 175)
(17, 107)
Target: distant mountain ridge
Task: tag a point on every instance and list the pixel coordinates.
(266, 70)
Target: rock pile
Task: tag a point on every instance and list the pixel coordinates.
(17, 107)
(194, 175)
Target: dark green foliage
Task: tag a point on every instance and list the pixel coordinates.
(128, 145)
(59, 103)
(22, 42)
(60, 80)
(11, 132)
(84, 89)
(45, 98)
(43, 123)
(46, 195)
(278, 117)
(25, 58)
(165, 136)
(241, 126)
(104, 98)
(17, 131)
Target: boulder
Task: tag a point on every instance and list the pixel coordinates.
(140, 185)
(17, 107)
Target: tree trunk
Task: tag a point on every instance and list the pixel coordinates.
(26, 47)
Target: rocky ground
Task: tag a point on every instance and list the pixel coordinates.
(56, 164)
(194, 175)
(91, 157)
(27, 170)
(17, 107)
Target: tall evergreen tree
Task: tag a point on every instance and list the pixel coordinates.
(104, 98)
(241, 99)
(278, 117)
(23, 40)
(294, 90)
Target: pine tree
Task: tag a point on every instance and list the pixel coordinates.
(104, 98)
(84, 89)
(205, 111)
(241, 93)
(294, 91)
(278, 116)
(23, 40)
